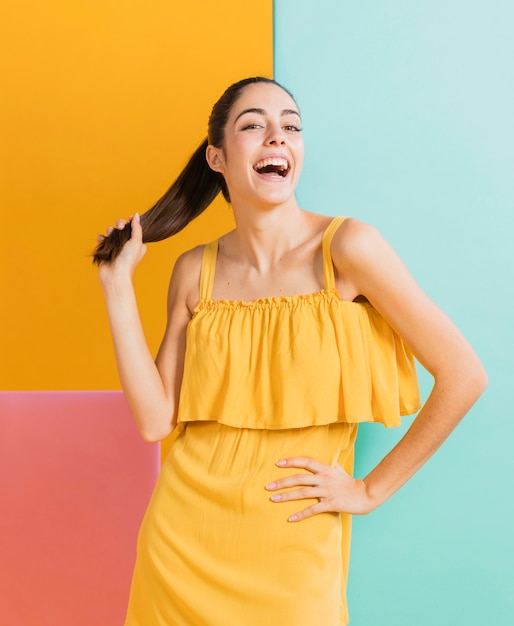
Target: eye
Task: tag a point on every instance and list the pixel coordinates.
(293, 128)
(251, 126)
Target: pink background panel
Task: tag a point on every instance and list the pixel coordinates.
(75, 479)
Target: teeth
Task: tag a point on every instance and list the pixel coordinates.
(276, 161)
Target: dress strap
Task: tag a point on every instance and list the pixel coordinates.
(210, 253)
(328, 266)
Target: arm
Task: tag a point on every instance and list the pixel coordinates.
(151, 388)
(368, 266)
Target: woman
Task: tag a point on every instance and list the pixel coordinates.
(282, 336)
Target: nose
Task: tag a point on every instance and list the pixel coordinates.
(276, 136)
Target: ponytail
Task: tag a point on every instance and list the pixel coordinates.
(192, 192)
(194, 189)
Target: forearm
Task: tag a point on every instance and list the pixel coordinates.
(445, 407)
(152, 408)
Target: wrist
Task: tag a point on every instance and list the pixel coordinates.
(371, 496)
(115, 282)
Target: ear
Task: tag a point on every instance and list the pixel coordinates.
(215, 159)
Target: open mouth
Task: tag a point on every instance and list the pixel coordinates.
(272, 167)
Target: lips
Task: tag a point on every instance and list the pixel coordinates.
(274, 165)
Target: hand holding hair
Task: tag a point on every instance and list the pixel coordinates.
(120, 225)
(190, 194)
(129, 235)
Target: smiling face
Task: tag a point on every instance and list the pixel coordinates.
(261, 155)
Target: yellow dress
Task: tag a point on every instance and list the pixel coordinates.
(263, 380)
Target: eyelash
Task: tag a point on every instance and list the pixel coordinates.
(288, 127)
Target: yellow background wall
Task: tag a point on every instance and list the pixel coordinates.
(104, 102)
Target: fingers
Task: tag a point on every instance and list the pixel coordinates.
(293, 481)
(137, 231)
(299, 494)
(310, 487)
(315, 509)
(120, 225)
(330, 486)
(302, 462)
(317, 493)
(315, 484)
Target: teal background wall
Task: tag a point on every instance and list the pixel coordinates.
(408, 116)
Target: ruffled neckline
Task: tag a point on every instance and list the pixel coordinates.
(326, 294)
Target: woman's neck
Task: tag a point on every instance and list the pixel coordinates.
(262, 237)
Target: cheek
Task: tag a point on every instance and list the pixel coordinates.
(233, 154)
(298, 148)
(299, 156)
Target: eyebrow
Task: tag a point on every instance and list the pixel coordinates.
(263, 112)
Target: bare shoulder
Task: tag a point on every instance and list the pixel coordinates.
(188, 262)
(361, 255)
(355, 241)
(185, 279)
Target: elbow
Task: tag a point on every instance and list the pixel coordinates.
(154, 436)
(150, 436)
(154, 423)
(155, 431)
(481, 380)
(467, 382)
(475, 380)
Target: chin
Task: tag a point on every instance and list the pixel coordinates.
(275, 200)
(268, 198)
(275, 196)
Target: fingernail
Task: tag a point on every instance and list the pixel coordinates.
(271, 485)
(137, 218)
(293, 518)
(275, 497)
(281, 462)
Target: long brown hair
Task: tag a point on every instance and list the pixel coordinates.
(193, 190)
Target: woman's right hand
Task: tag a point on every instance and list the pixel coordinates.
(131, 253)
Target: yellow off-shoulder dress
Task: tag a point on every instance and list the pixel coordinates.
(267, 379)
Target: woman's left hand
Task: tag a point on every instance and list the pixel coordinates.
(334, 488)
